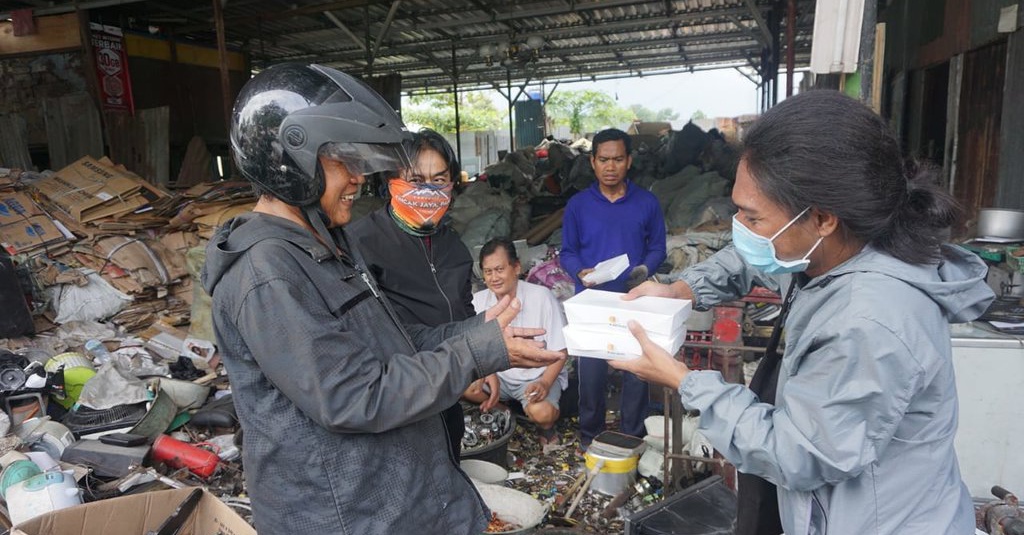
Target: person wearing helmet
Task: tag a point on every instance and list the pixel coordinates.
(413, 252)
(338, 400)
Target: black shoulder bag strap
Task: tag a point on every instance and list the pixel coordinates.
(757, 510)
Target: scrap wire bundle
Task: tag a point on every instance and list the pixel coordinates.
(483, 428)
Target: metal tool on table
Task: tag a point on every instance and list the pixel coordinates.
(174, 523)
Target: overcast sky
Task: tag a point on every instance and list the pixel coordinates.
(717, 93)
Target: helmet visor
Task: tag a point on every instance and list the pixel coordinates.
(369, 158)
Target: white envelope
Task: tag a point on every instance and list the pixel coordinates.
(594, 309)
(608, 270)
(614, 344)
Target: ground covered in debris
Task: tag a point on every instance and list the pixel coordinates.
(549, 471)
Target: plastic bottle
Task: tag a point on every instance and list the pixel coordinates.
(98, 352)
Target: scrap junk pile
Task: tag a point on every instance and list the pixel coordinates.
(112, 388)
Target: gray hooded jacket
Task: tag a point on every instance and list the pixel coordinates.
(860, 440)
(340, 405)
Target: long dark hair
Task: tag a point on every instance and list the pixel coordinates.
(824, 149)
(429, 139)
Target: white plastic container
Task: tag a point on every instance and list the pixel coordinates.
(484, 471)
(598, 309)
(46, 492)
(45, 435)
(512, 506)
(614, 344)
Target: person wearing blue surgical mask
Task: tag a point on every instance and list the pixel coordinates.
(848, 427)
(759, 251)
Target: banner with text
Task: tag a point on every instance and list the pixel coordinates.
(112, 68)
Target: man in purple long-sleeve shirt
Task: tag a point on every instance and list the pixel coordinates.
(612, 217)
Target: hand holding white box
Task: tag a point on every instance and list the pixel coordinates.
(598, 324)
(608, 270)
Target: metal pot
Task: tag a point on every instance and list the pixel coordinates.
(1000, 223)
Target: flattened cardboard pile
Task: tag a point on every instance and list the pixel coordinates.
(91, 190)
(25, 228)
(95, 216)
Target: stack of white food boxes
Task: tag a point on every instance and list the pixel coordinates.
(598, 324)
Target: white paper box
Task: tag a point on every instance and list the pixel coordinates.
(594, 309)
(614, 344)
(608, 270)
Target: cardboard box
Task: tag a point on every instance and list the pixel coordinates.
(90, 189)
(138, 514)
(598, 309)
(26, 235)
(614, 344)
(16, 207)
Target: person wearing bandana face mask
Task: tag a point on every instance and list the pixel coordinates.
(848, 428)
(417, 258)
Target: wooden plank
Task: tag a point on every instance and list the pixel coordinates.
(72, 129)
(14, 142)
(981, 101)
(56, 32)
(140, 46)
(142, 143)
(1011, 161)
(878, 68)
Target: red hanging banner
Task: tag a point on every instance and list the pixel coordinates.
(112, 68)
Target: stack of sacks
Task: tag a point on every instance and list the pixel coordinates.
(598, 324)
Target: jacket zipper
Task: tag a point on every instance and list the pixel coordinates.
(433, 272)
(387, 307)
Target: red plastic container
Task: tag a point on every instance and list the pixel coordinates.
(178, 454)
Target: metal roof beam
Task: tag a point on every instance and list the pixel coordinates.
(741, 52)
(759, 18)
(341, 25)
(419, 81)
(74, 6)
(748, 76)
(387, 26)
(568, 30)
(546, 11)
(752, 31)
(550, 52)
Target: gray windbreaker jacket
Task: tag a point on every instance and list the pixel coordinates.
(860, 440)
(340, 405)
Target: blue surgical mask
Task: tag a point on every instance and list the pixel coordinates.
(759, 251)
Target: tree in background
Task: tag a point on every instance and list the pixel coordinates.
(698, 116)
(586, 111)
(643, 113)
(476, 112)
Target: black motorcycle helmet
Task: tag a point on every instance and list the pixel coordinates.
(289, 114)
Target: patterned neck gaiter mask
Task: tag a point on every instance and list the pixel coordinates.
(416, 207)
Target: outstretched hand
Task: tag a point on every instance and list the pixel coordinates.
(506, 310)
(655, 365)
(676, 290)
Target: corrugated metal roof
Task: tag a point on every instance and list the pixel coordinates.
(414, 38)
